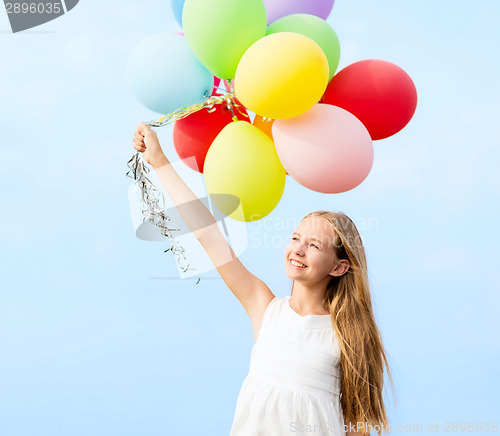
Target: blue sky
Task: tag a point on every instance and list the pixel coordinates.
(93, 344)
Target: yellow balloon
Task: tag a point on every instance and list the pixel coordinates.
(282, 75)
(242, 163)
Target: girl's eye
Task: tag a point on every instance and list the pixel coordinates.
(315, 246)
(295, 239)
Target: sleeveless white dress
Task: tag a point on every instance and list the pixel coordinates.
(293, 385)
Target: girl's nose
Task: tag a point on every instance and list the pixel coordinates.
(298, 249)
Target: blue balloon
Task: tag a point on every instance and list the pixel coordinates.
(177, 7)
(165, 75)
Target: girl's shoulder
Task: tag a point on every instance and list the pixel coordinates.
(270, 314)
(274, 308)
(274, 304)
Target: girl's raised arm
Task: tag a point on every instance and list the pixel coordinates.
(251, 292)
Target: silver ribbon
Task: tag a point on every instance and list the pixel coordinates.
(153, 208)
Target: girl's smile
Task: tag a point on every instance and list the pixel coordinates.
(296, 264)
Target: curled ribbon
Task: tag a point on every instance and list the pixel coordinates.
(228, 99)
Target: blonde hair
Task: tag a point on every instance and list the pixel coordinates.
(362, 353)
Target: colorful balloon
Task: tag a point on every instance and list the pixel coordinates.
(177, 6)
(277, 9)
(379, 93)
(282, 75)
(326, 149)
(215, 90)
(220, 31)
(164, 74)
(316, 29)
(242, 163)
(194, 134)
(216, 86)
(266, 126)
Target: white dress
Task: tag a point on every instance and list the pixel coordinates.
(293, 384)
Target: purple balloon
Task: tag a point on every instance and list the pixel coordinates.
(279, 8)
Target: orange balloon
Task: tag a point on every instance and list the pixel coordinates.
(265, 126)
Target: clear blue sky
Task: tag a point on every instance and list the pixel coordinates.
(93, 345)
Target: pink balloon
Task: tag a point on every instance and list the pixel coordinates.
(279, 8)
(325, 149)
(216, 90)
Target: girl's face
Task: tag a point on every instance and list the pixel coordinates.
(312, 246)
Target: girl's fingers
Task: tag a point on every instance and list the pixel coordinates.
(139, 143)
(139, 136)
(142, 128)
(139, 148)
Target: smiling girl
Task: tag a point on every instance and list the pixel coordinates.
(317, 365)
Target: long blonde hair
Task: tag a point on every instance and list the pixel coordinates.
(362, 352)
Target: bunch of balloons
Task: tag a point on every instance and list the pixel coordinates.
(291, 113)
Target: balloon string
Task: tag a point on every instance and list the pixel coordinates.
(230, 91)
(228, 98)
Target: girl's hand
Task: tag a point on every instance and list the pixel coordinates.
(146, 141)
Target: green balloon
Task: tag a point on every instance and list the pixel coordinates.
(220, 31)
(315, 28)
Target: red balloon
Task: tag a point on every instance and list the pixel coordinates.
(380, 94)
(194, 134)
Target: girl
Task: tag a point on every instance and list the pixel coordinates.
(317, 365)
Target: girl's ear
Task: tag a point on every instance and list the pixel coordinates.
(340, 268)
